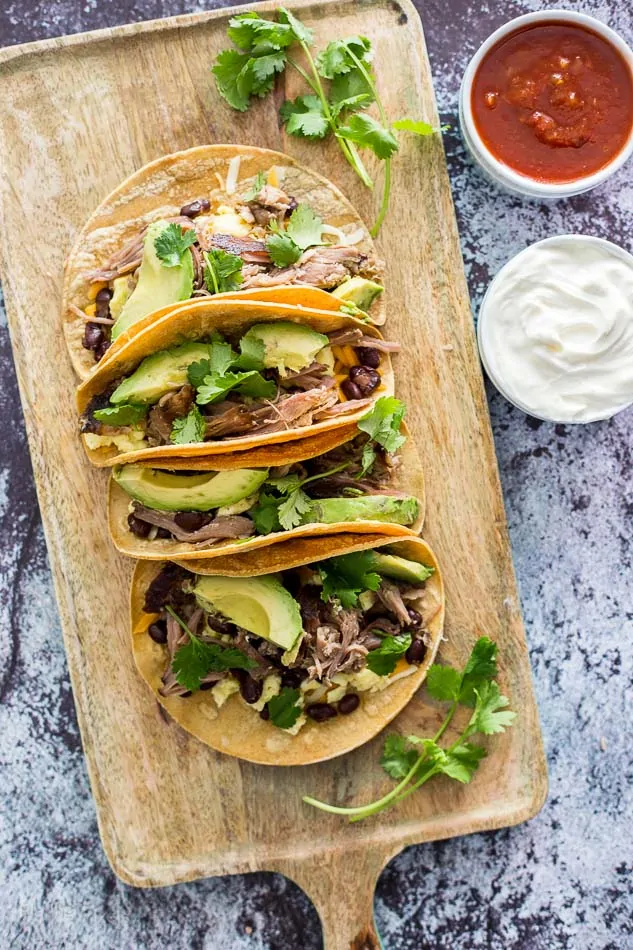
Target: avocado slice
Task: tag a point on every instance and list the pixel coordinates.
(359, 291)
(261, 605)
(399, 568)
(120, 294)
(166, 492)
(287, 346)
(384, 508)
(158, 286)
(159, 374)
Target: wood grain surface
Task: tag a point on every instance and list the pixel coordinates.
(78, 115)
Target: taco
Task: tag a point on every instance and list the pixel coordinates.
(217, 219)
(227, 376)
(247, 502)
(291, 657)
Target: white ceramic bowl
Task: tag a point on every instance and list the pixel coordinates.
(501, 173)
(493, 376)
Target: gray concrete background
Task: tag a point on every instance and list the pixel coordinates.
(562, 881)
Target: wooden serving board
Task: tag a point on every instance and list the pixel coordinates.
(78, 115)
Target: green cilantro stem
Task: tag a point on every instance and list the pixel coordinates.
(331, 471)
(384, 204)
(181, 623)
(211, 271)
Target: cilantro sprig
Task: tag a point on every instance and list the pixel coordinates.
(284, 709)
(171, 244)
(412, 761)
(382, 424)
(347, 576)
(127, 414)
(195, 659)
(226, 370)
(285, 509)
(189, 428)
(341, 84)
(222, 271)
(303, 230)
(383, 660)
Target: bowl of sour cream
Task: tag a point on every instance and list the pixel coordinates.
(555, 329)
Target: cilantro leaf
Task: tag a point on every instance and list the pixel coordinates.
(252, 353)
(397, 758)
(292, 509)
(411, 125)
(283, 708)
(265, 513)
(481, 667)
(304, 117)
(300, 31)
(231, 72)
(258, 183)
(222, 271)
(443, 683)
(172, 244)
(285, 483)
(263, 69)
(365, 131)
(254, 34)
(459, 763)
(384, 658)
(335, 59)
(197, 371)
(127, 414)
(490, 715)
(282, 249)
(215, 386)
(349, 91)
(383, 423)
(221, 358)
(345, 577)
(189, 428)
(305, 227)
(195, 659)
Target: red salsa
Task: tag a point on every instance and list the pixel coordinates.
(553, 101)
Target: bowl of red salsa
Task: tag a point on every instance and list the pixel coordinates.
(546, 104)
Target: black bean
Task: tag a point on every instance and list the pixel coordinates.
(104, 296)
(184, 695)
(102, 349)
(351, 390)
(140, 528)
(163, 533)
(93, 336)
(366, 378)
(264, 714)
(368, 356)
(251, 689)
(194, 208)
(416, 652)
(320, 712)
(349, 703)
(192, 520)
(158, 631)
(416, 619)
(292, 678)
(204, 686)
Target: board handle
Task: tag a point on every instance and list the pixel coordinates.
(341, 885)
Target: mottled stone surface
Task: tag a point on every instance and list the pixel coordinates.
(562, 881)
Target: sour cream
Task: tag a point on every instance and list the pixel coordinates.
(556, 329)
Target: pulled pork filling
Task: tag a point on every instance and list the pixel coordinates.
(336, 475)
(322, 267)
(333, 649)
(297, 399)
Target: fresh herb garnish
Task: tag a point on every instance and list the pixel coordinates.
(127, 414)
(302, 231)
(213, 377)
(254, 190)
(382, 424)
(287, 508)
(283, 708)
(195, 659)
(413, 760)
(215, 386)
(189, 428)
(345, 577)
(172, 244)
(341, 85)
(383, 659)
(222, 271)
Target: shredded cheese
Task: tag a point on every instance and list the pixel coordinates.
(232, 175)
(273, 178)
(94, 289)
(91, 310)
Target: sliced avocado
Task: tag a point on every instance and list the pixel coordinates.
(167, 492)
(159, 374)
(120, 292)
(399, 568)
(261, 605)
(384, 508)
(359, 291)
(287, 346)
(157, 286)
